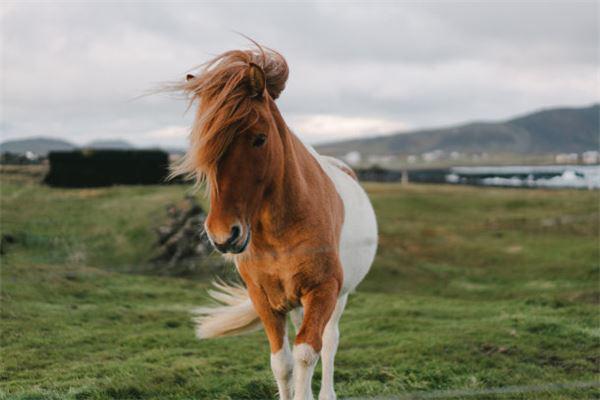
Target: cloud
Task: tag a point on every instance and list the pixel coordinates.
(317, 128)
(170, 132)
(76, 70)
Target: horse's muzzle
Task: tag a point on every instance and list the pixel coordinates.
(237, 242)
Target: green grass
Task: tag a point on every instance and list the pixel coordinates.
(471, 289)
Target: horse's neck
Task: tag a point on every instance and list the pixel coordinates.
(302, 199)
(301, 173)
(301, 169)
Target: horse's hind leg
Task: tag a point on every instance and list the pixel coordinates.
(331, 337)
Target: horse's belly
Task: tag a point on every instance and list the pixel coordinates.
(358, 242)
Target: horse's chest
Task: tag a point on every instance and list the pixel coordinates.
(280, 293)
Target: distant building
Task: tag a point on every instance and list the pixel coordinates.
(411, 159)
(353, 158)
(31, 156)
(8, 158)
(590, 157)
(455, 155)
(432, 156)
(566, 158)
(381, 160)
(94, 168)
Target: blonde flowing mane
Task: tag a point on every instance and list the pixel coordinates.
(226, 108)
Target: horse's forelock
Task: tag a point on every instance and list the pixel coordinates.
(221, 89)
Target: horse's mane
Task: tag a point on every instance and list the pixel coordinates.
(225, 106)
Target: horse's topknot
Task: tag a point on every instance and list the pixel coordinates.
(225, 71)
(275, 68)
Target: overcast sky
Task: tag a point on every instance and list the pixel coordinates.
(75, 70)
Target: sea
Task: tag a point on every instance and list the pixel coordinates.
(550, 176)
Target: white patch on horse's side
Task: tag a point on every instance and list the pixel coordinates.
(305, 360)
(282, 365)
(358, 241)
(338, 163)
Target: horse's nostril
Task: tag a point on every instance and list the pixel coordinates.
(232, 244)
(235, 233)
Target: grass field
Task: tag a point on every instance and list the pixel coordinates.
(472, 289)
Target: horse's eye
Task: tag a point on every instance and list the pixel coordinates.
(259, 140)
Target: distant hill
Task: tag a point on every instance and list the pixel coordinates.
(113, 144)
(37, 145)
(44, 145)
(557, 130)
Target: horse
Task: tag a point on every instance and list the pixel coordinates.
(298, 226)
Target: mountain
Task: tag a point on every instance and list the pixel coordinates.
(37, 145)
(113, 144)
(44, 145)
(557, 130)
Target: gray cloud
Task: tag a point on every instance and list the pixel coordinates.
(75, 70)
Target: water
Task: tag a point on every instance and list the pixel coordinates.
(551, 176)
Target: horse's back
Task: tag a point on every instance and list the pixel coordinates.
(358, 242)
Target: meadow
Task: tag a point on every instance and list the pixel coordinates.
(475, 293)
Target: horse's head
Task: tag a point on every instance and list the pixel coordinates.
(236, 145)
(244, 173)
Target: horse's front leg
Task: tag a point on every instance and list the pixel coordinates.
(282, 363)
(318, 304)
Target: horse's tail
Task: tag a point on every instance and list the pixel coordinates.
(235, 314)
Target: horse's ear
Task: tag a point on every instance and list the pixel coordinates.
(189, 77)
(256, 80)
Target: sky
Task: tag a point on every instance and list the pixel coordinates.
(82, 71)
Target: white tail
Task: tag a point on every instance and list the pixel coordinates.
(235, 316)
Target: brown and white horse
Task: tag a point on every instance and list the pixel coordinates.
(299, 227)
